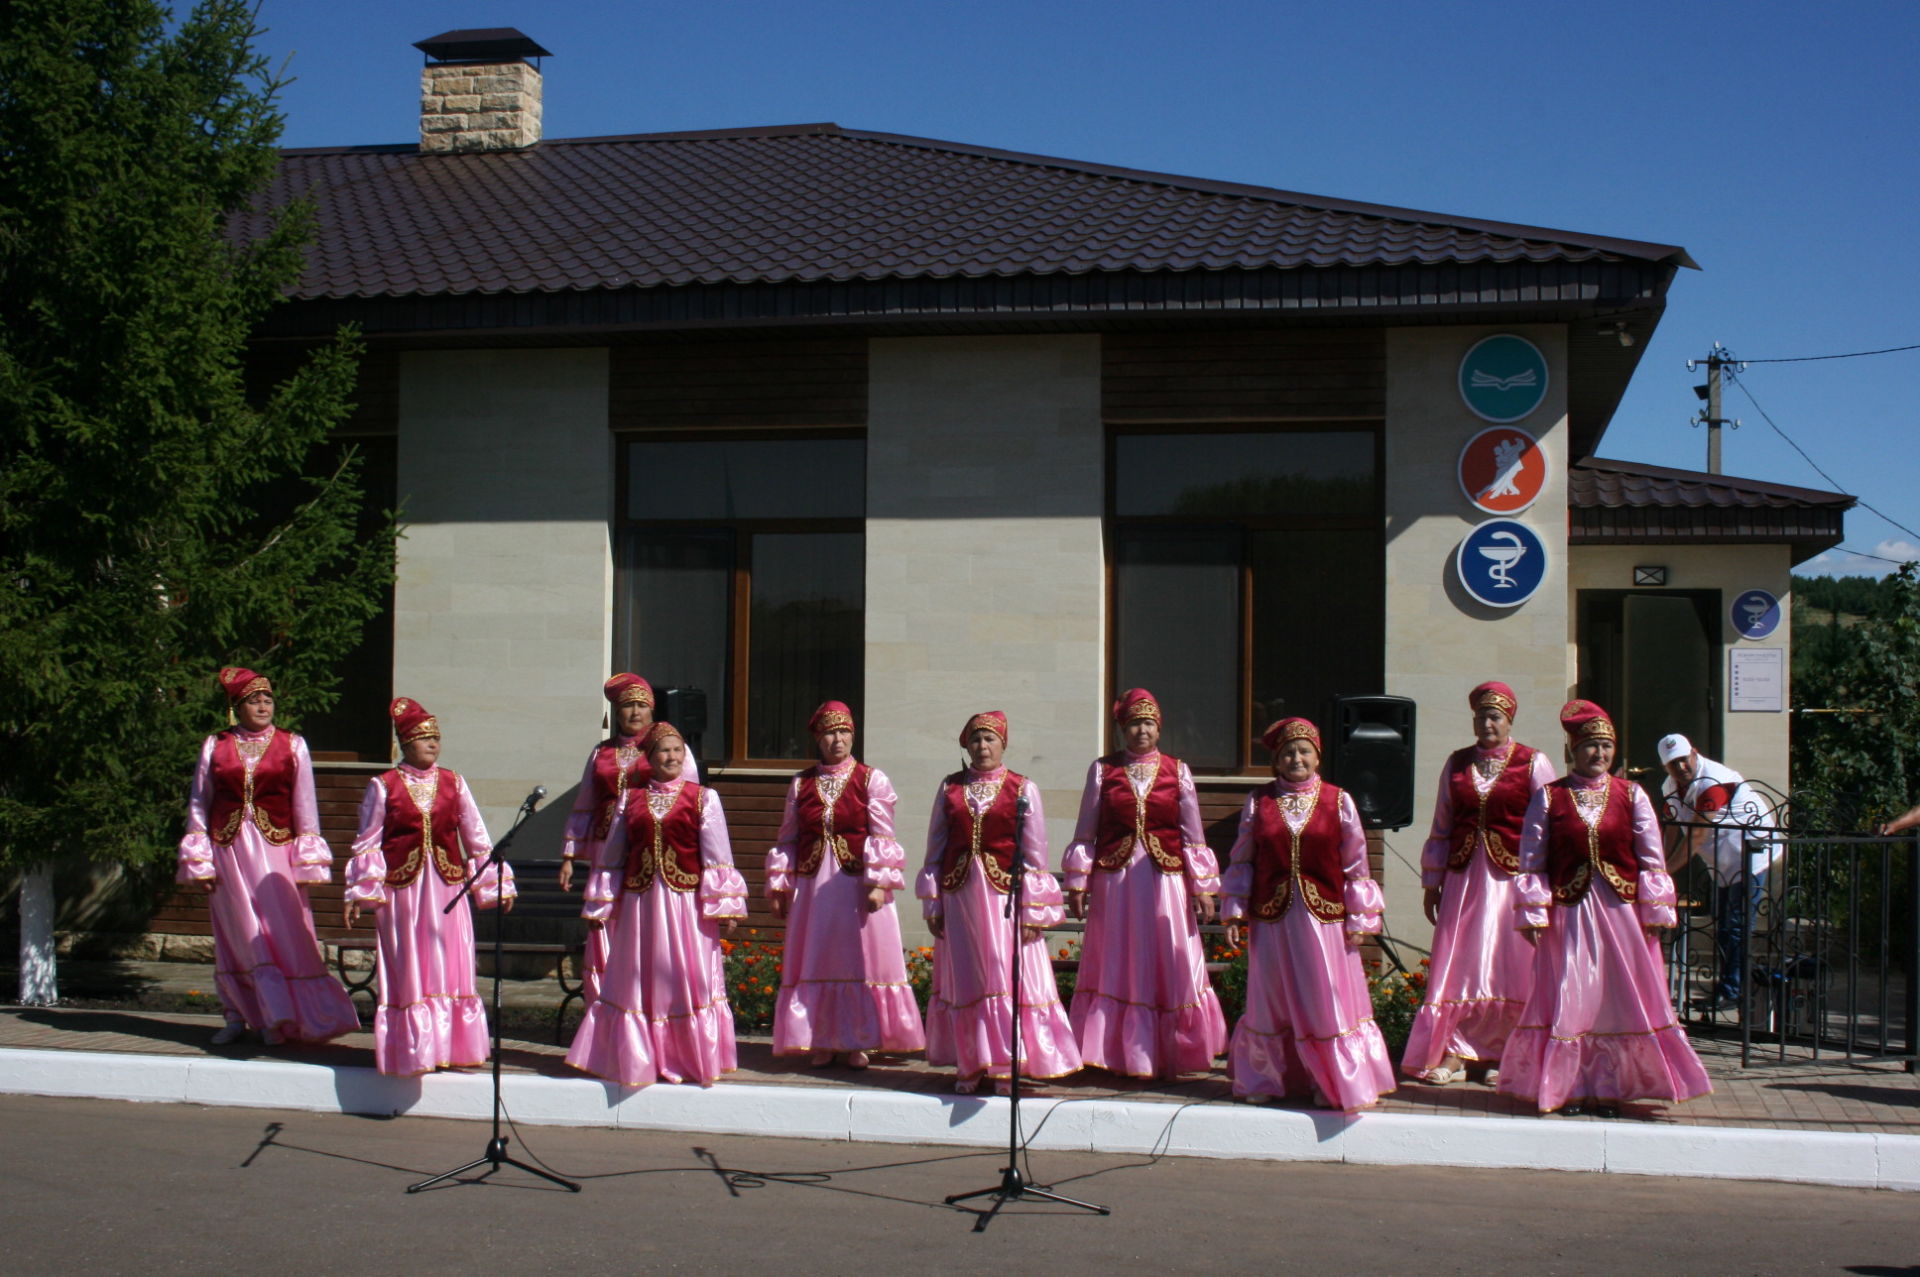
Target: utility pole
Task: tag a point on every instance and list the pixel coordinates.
(1719, 357)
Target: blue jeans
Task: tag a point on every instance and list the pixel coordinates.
(1734, 904)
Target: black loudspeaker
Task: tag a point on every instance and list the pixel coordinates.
(685, 708)
(1370, 755)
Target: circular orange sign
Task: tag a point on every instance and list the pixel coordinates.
(1502, 470)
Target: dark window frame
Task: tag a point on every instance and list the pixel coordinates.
(1114, 523)
(743, 530)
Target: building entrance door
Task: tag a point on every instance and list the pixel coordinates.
(1651, 659)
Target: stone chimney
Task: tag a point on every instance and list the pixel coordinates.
(479, 92)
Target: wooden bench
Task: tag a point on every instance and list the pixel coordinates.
(545, 923)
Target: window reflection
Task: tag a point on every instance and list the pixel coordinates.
(1248, 473)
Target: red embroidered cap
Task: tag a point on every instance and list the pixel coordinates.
(1136, 703)
(1498, 695)
(411, 721)
(992, 719)
(831, 716)
(1289, 729)
(624, 688)
(659, 732)
(239, 683)
(1584, 721)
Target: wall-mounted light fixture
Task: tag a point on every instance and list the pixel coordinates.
(1649, 575)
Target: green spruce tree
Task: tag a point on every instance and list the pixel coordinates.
(145, 538)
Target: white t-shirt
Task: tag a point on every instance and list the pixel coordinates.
(1741, 818)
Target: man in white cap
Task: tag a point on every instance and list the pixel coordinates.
(1728, 825)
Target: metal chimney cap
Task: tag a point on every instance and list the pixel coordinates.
(480, 44)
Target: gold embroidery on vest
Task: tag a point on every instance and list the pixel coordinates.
(656, 858)
(829, 789)
(1001, 880)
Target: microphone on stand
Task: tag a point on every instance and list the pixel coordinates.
(533, 800)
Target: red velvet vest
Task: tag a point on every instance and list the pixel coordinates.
(844, 828)
(1491, 820)
(610, 782)
(265, 798)
(1151, 819)
(667, 848)
(988, 839)
(1306, 863)
(1576, 853)
(408, 830)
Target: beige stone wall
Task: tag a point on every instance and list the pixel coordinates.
(466, 106)
(985, 576)
(1440, 642)
(1756, 744)
(502, 616)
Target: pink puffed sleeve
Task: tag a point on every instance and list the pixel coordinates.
(723, 892)
(1655, 902)
(1077, 865)
(1237, 883)
(1533, 900)
(1439, 844)
(784, 853)
(367, 871)
(580, 819)
(886, 859)
(927, 885)
(497, 883)
(604, 883)
(1203, 867)
(1041, 903)
(311, 857)
(1543, 771)
(1362, 897)
(195, 854)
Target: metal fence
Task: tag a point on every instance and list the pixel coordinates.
(1831, 948)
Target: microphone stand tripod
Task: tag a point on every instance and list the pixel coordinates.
(496, 1155)
(1013, 1185)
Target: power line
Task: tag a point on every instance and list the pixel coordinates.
(1880, 558)
(1864, 503)
(1808, 359)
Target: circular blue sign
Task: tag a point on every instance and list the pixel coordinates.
(1503, 378)
(1501, 563)
(1756, 614)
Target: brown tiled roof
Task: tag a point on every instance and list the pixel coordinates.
(1632, 503)
(818, 204)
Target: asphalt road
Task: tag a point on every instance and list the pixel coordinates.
(106, 1187)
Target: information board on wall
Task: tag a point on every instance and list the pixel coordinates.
(1757, 680)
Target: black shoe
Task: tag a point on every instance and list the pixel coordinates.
(1606, 1110)
(1571, 1110)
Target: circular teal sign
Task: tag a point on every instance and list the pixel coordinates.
(1503, 378)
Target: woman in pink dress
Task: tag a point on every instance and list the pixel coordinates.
(1142, 1005)
(1299, 898)
(1594, 897)
(421, 838)
(987, 825)
(1481, 970)
(831, 874)
(616, 768)
(252, 842)
(665, 878)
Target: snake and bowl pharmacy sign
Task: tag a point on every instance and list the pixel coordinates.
(1503, 378)
(1501, 563)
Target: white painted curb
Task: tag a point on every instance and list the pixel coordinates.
(1101, 1126)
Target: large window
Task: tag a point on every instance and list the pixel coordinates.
(742, 571)
(1248, 578)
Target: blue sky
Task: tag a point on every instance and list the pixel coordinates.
(1774, 141)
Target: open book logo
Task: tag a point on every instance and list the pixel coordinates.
(1525, 380)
